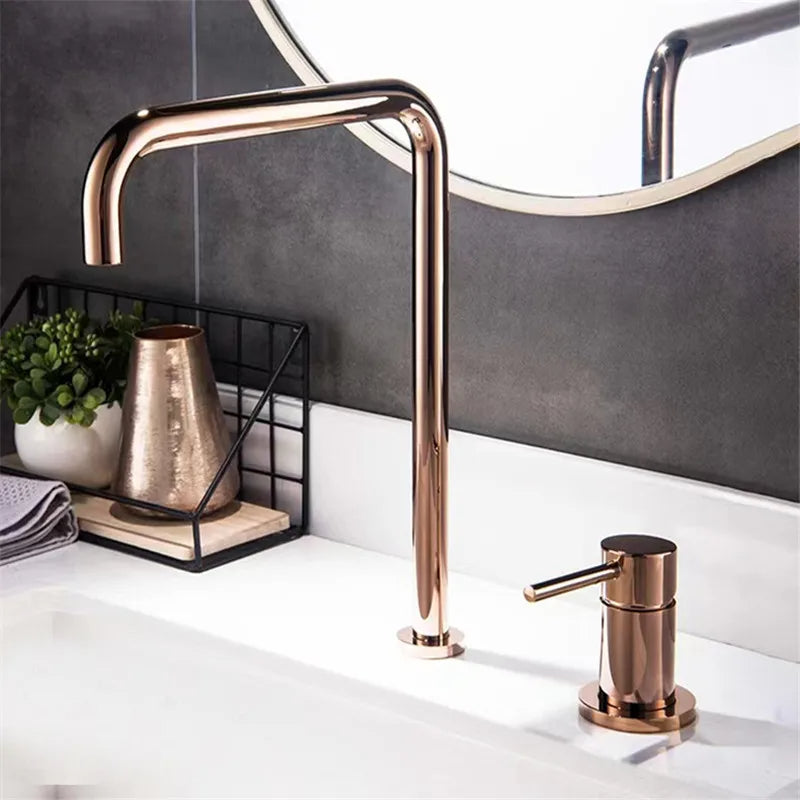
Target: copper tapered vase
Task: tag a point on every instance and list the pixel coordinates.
(174, 437)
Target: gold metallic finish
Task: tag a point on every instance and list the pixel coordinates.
(648, 577)
(174, 437)
(153, 129)
(637, 658)
(431, 647)
(595, 708)
(636, 690)
(567, 583)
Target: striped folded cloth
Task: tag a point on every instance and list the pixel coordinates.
(35, 516)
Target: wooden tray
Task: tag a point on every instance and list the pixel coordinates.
(237, 523)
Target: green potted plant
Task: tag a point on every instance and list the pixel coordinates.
(63, 377)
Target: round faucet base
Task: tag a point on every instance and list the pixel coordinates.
(419, 647)
(680, 714)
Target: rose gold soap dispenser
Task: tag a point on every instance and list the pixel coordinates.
(636, 691)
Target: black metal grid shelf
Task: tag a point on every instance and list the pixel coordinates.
(248, 351)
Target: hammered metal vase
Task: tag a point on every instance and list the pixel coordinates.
(174, 437)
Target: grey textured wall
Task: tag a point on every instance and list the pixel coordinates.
(665, 338)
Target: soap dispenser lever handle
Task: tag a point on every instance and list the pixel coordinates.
(575, 580)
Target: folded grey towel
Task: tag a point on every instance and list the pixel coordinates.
(35, 516)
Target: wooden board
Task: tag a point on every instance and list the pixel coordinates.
(237, 523)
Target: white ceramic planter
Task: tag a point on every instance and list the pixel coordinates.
(72, 453)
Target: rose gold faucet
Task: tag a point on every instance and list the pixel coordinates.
(238, 116)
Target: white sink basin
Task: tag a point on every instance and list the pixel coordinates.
(100, 701)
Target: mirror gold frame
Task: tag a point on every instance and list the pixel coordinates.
(304, 66)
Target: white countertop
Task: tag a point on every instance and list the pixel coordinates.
(337, 607)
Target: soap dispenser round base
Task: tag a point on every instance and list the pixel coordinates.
(594, 709)
(431, 646)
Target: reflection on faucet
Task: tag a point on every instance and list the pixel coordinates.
(658, 103)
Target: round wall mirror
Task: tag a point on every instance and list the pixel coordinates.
(546, 105)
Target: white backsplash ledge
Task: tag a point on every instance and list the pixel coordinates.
(520, 514)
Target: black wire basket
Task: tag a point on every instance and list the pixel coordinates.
(256, 360)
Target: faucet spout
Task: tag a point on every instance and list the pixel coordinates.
(238, 116)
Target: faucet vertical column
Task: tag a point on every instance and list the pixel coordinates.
(429, 636)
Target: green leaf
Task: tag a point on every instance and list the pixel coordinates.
(22, 388)
(37, 360)
(23, 415)
(88, 418)
(56, 364)
(37, 373)
(98, 394)
(26, 365)
(27, 402)
(43, 343)
(12, 402)
(77, 414)
(79, 382)
(28, 344)
(49, 414)
(64, 398)
(52, 353)
(40, 386)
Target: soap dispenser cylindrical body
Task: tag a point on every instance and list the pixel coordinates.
(637, 661)
(636, 690)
